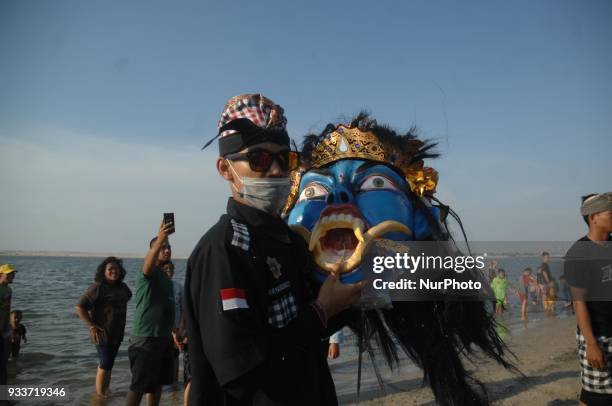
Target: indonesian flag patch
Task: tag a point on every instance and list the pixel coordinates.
(233, 298)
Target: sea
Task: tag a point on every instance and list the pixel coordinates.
(59, 352)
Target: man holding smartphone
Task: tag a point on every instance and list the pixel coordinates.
(255, 322)
(150, 350)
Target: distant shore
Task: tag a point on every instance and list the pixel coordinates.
(75, 254)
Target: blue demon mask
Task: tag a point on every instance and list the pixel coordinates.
(362, 182)
(358, 186)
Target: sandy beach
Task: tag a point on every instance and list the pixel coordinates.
(546, 354)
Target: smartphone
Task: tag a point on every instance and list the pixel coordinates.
(169, 219)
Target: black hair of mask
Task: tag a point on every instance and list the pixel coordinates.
(246, 135)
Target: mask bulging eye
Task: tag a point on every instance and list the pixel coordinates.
(313, 191)
(377, 182)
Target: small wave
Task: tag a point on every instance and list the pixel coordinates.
(35, 357)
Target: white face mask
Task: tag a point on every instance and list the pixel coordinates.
(265, 194)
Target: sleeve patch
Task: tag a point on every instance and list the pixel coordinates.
(233, 298)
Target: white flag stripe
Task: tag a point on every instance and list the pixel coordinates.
(234, 303)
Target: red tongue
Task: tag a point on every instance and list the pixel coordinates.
(338, 239)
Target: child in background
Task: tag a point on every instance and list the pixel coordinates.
(18, 332)
(551, 296)
(528, 281)
(534, 290)
(523, 299)
(500, 287)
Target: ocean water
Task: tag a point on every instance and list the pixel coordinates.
(59, 353)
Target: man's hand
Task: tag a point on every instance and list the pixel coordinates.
(595, 356)
(335, 296)
(96, 333)
(334, 351)
(163, 232)
(152, 254)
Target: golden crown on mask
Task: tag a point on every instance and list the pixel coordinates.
(353, 143)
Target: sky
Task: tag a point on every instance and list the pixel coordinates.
(104, 107)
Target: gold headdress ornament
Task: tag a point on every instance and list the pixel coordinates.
(346, 142)
(353, 143)
(422, 181)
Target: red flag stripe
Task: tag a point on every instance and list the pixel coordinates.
(232, 293)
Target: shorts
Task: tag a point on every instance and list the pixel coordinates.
(151, 363)
(106, 355)
(186, 366)
(596, 381)
(595, 399)
(15, 348)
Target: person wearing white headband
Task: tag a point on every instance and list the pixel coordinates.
(588, 270)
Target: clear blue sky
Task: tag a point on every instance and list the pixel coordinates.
(104, 106)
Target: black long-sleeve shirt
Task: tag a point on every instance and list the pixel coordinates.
(254, 338)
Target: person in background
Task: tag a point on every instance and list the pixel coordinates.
(526, 280)
(335, 340)
(184, 347)
(150, 350)
(178, 335)
(500, 288)
(588, 270)
(177, 332)
(7, 274)
(491, 271)
(103, 308)
(551, 296)
(549, 292)
(534, 290)
(18, 333)
(545, 266)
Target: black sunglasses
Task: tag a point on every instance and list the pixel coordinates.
(261, 160)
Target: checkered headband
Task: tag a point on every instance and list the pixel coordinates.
(249, 119)
(260, 110)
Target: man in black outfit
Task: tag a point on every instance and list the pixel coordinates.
(588, 270)
(255, 322)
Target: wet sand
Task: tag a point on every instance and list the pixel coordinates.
(545, 351)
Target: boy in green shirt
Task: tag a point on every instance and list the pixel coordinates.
(500, 286)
